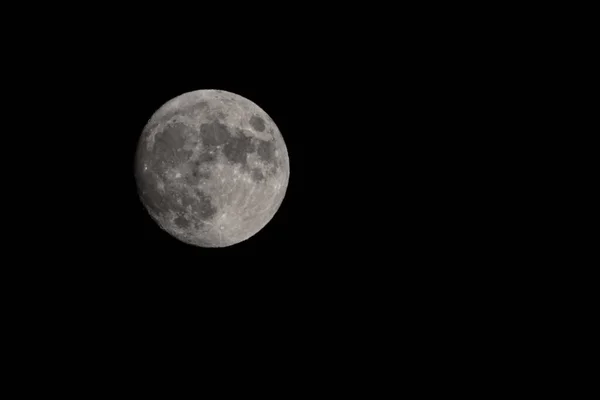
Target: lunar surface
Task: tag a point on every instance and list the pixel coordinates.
(212, 168)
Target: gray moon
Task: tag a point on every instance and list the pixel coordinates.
(211, 168)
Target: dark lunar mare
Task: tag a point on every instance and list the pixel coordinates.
(182, 222)
(257, 123)
(237, 149)
(168, 145)
(266, 152)
(168, 152)
(214, 133)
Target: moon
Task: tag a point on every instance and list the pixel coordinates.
(212, 168)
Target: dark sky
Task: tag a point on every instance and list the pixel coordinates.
(366, 119)
(391, 228)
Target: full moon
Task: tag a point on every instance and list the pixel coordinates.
(211, 168)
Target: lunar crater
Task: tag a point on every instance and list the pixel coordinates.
(257, 123)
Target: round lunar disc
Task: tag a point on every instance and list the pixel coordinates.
(212, 168)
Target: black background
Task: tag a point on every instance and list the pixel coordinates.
(398, 240)
(379, 115)
(331, 247)
(389, 233)
(355, 111)
(364, 114)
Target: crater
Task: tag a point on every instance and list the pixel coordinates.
(257, 123)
